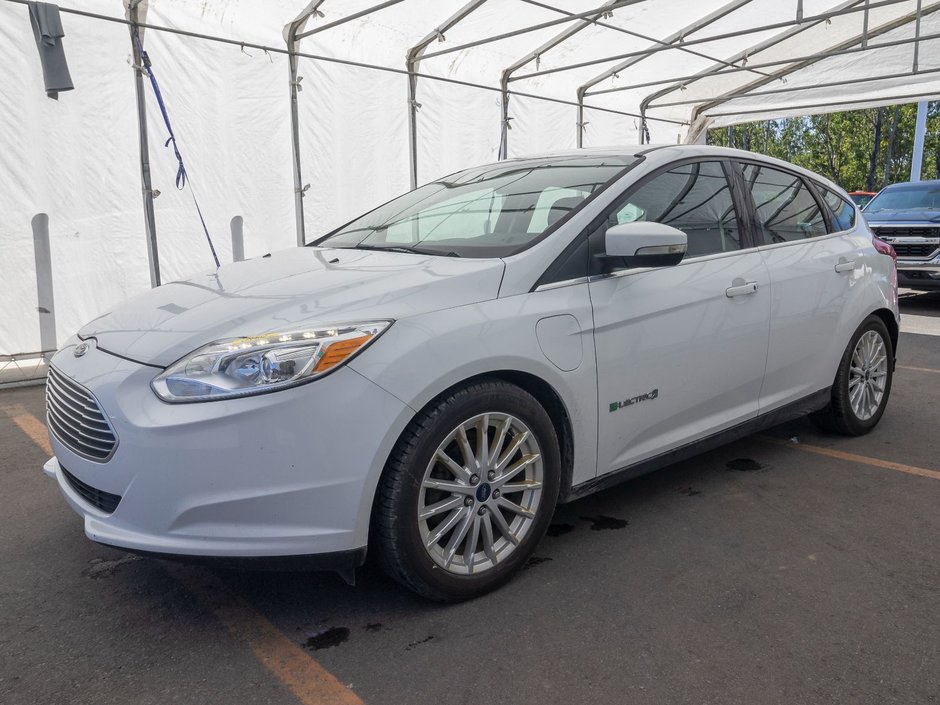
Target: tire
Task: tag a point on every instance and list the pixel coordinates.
(434, 501)
(866, 365)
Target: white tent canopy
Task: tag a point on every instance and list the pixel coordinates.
(392, 93)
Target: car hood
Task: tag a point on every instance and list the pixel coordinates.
(289, 290)
(902, 216)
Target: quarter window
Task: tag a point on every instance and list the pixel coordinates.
(786, 209)
(843, 212)
(694, 198)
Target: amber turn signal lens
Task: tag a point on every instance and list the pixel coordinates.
(339, 351)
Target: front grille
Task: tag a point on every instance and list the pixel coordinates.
(906, 231)
(105, 501)
(919, 250)
(76, 419)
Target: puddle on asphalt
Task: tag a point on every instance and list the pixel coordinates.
(334, 636)
(744, 465)
(604, 523)
(374, 627)
(535, 560)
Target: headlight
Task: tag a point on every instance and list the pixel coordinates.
(239, 367)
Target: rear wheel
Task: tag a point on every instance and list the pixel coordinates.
(863, 383)
(468, 492)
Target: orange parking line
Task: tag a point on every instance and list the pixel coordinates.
(918, 369)
(29, 424)
(310, 683)
(853, 458)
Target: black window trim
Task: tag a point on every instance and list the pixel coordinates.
(549, 279)
(835, 223)
(752, 208)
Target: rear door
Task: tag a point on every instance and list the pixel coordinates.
(681, 349)
(812, 267)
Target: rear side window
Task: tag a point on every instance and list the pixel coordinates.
(694, 198)
(786, 210)
(843, 212)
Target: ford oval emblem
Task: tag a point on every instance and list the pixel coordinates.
(80, 349)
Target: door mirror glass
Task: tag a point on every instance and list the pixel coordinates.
(645, 244)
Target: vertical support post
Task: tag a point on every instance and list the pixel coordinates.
(920, 130)
(290, 37)
(410, 62)
(44, 290)
(504, 124)
(581, 123)
(865, 26)
(238, 239)
(292, 60)
(150, 220)
(917, 16)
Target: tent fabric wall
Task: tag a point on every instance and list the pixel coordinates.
(678, 63)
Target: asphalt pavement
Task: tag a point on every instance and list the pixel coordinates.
(789, 567)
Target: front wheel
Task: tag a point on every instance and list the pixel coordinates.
(863, 383)
(468, 492)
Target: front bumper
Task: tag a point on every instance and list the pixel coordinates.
(286, 474)
(919, 274)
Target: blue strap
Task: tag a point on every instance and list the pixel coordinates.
(181, 176)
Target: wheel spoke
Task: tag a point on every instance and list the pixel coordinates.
(499, 440)
(483, 442)
(443, 506)
(469, 458)
(470, 549)
(455, 468)
(445, 486)
(489, 544)
(517, 441)
(514, 508)
(445, 526)
(459, 533)
(510, 473)
(503, 527)
(511, 487)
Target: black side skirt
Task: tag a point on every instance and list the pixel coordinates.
(794, 410)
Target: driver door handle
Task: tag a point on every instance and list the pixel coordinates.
(844, 265)
(739, 287)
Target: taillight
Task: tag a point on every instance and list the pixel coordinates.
(884, 248)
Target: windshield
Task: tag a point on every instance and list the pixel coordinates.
(490, 211)
(907, 198)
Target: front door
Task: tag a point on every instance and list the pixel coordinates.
(680, 350)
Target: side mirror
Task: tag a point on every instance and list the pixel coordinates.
(645, 244)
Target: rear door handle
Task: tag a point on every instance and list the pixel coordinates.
(844, 265)
(739, 287)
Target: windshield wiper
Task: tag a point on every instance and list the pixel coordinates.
(402, 248)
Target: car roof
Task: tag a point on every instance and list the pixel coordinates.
(908, 184)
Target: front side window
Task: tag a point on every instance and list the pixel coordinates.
(786, 209)
(843, 212)
(491, 211)
(694, 198)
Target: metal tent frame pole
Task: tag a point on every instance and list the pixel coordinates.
(412, 58)
(560, 38)
(677, 36)
(293, 56)
(851, 44)
(920, 131)
(146, 184)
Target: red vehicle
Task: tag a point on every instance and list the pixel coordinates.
(861, 198)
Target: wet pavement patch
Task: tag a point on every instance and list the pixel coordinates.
(100, 568)
(559, 529)
(413, 644)
(535, 560)
(334, 636)
(604, 523)
(690, 491)
(374, 627)
(744, 465)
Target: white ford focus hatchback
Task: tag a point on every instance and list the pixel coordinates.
(430, 380)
